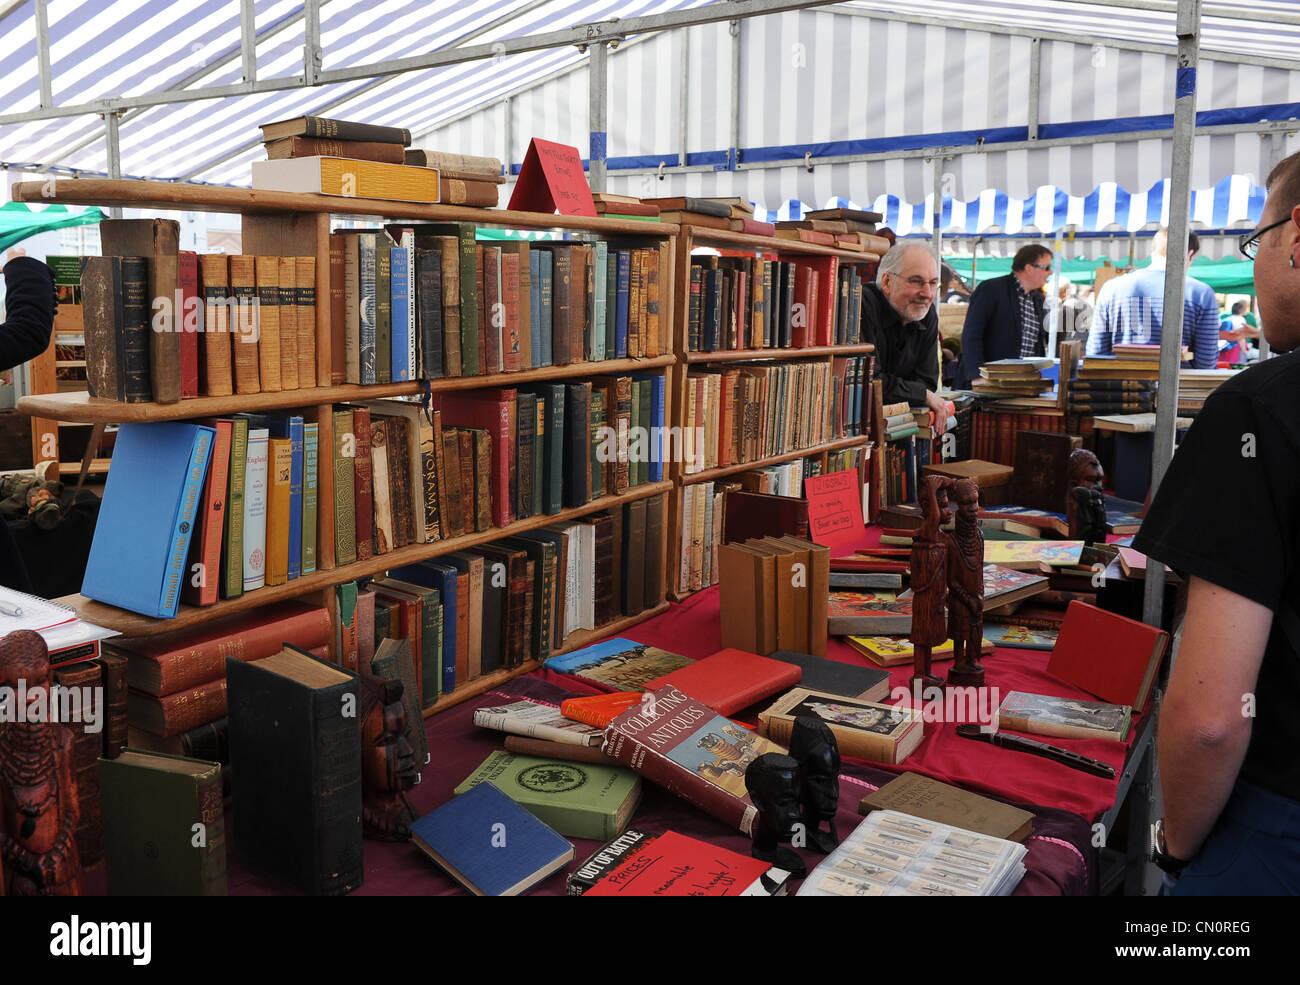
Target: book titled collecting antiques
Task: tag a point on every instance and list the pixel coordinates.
(1066, 718)
(690, 750)
(618, 664)
(864, 729)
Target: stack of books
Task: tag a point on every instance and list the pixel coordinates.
(1016, 377)
(624, 207)
(735, 214)
(1194, 385)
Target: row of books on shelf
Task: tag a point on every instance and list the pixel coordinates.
(993, 433)
(756, 411)
(749, 302)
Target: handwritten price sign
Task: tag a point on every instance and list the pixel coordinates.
(834, 507)
(551, 179)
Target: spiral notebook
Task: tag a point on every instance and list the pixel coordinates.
(19, 610)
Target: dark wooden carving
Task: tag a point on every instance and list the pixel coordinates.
(929, 579)
(813, 746)
(966, 587)
(1087, 506)
(388, 767)
(773, 781)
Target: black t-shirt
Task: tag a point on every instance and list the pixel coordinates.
(1228, 511)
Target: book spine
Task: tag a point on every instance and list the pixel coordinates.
(428, 276)
(134, 348)
(279, 477)
(384, 361)
(362, 483)
(310, 492)
(212, 852)
(244, 324)
(322, 128)
(185, 322)
(203, 566)
(469, 302)
(180, 712)
(366, 310)
(304, 302)
(402, 336)
(183, 526)
(115, 730)
(267, 273)
(511, 336)
(562, 305)
(287, 279)
(232, 559)
(338, 308)
(214, 357)
(345, 532)
(337, 787)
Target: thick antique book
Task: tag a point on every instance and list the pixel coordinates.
(1107, 654)
(864, 729)
(382, 497)
(117, 726)
(203, 565)
(326, 129)
(676, 865)
(215, 376)
(357, 150)
(577, 800)
(459, 837)
(287, 281)
(1065, 718)
(923, 797)
(305, 303)
(348, 178)
(116, 321)
(363, 482)
(431, 638)
(245, 324)
(147, 515)
(1042, 469)
(158, 241)
(180, 711)
(730, 680)
(147, 798)
(267, 271)
(185, 320)
(296, 753)
(344, 451)
(618, 664)
(490, 410)
(469, 165)
(87, 748)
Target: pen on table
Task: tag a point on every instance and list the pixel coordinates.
(9, 609)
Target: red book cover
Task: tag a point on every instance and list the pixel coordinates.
(363, 483)
(755, 228)
(823, 308)
(730, 679)
(675, 865)
(868, 564)
(599, 710)
(1108, 655)
(511, 334)
(166, 664)
(187, 323)
(801, 318)
(203, 565)
(488, 409)
(179, 712)
(688, 749)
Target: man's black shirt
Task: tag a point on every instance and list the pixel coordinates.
(907, 355)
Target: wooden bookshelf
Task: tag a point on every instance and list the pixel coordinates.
(709, 475)
(812, 352)
(288, 224)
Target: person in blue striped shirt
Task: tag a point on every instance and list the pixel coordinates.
(1130, 309)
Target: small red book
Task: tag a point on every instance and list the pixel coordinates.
(730, 680)
(675, 865)
(599, 710)
(1108, 655)
(870, 565)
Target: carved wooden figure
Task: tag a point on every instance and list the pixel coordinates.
(813, 746)
(38, 794)
(773, 781)
(966, 587)
(929, 579)
(1086, 508)
(388, 767)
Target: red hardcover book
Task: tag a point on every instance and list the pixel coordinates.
(167, 664)
(801, 316)
(176, 713)
(730, 680)
(203, 565)
(821, 311)
(754, 227)
(1108, 655)
(489, 409)
(511, 334)
(684, 746)
(868, 564)
(675, 865)
(363, 483)
(186, 322)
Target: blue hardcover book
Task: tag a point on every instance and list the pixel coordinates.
(535, 305)
(310, 492)
(146, 518)
(291, 427)
(432, 574)
(490, 844)
(589, 656)
(596, 300)
(401, 339)
(655, 426)
(624, 292)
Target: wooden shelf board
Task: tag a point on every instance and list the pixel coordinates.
(731, 355)
(80, 407)
(768, 244)
(575, 641)
(98, 466)
(132, 625)
(709, 475)
(181, 196)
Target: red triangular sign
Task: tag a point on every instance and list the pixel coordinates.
(552, 180)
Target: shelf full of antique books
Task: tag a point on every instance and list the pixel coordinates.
(772, 378)
(280, 224)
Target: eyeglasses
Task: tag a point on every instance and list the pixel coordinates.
(916, 283)
(1249, 242)
(1041, 266)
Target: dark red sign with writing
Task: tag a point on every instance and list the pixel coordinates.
(834, 507)
(552, 180)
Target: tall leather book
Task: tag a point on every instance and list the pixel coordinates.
(295, 755)
(525, 451)
(435, 235)
(513, 565)
(304, 300)
(267, 271)
(452, 333)
(245, 324)
(147, 798)
(287, 280)
(550, 449)
(516, 280)
(453, 484)
(542, 554)
(322, 128)
(185, 320)
(490, 410)
(203, 565)
(655, 519)
(215, 379)
(382, 528)
(117, 366)
(158, 241)
(362, 482)
(632, 577)
(439, 457)
(562, 306)
(428, 294)
(605, 576)
(338, 310)
(469, 612)
(116, 725)
(430, 654)
(383, 310)
(577, 422)
(427, 507)
(87, 747)
(399, 481)
(345, 531)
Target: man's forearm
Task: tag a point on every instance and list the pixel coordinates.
(1199, 764)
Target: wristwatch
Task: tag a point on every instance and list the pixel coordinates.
(1162, 859)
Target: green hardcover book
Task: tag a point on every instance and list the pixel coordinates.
(597, 301)
(597, 424)
(232, 534)
(345, 521)
(384, 310)
(164, 832)
(579, 800)
(392, 661)
(431, 641)
(310, 485)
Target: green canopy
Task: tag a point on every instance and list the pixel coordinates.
(1231, 275)
(18, 221)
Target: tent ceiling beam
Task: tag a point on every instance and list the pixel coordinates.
(43, 54)
(313, 57)
(248, 39)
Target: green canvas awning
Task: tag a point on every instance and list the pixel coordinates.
(18, 221)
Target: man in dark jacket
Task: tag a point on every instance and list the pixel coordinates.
(899, 318)
(1006, 318)
(29, 311)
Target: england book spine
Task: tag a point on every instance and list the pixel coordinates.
(135, 330)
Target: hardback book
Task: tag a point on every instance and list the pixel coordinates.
(158, 241)
(431, 638)
(322, 128)
(1031, 555)
(578, 800)
(1003, 586)
(348, 178)
(256, 500)
(868, 614)
(232, 533)
(682, 745)
(87, 748)
(116, 324)
(180, 711)
(618, 664)
(344, 458)
(1042, 469)
(463, 838)
(1064, 718)
(267, 272)
(865, 729)
(1020, 637)
(117, 726)
(599, 710)
(150, 505)
(864, 579)
(536, 720)
(751, 514)
(474, 166)
(932, 800)
(676, 865)
(279, 473)
(837, 677)
(357, 150)
(295, 754)
(605, 859)
(1043, 520)
(310, 493)
(287, 281)
(1109, 655)
(208, 741)
(203, 564)
(164, 832)
(364, 486)
(244, 324)
(214, 352)
(730, 679)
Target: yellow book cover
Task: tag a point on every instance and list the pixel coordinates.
(280, 460)
(1028, 554)
(887, 651)
(348, 178)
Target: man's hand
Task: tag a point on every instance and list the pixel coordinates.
(938, 410)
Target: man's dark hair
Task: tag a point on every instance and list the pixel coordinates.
(1283, 184)
(1029, 254)
(1193, 242)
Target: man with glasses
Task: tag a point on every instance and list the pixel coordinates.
(1006, 318)
(899, 318)
(1130, 308)
(1229, 725)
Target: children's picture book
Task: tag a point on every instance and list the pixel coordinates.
(888, 651)
(1003, 586)
(868, 613)
(1028, 555)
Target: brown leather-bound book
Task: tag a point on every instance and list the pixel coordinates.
(463, 582)
(399, 481)
(477, 443)
(244, 335)
(634, 559)
(338, 310)
(382, 494)
(513, 330)
(158, 240)
(458, 191)
(356, 150)
(267, 271)
(440, 478)
(449, 247)
(532, 599)
(288, 283)
(636, 305)
(516, 566)
(116, 725)
(562, 306)
(305, 303)
(493, 318)
(363, 482)
(483, 315)
(179, 712)
(87, 747)
(743, 602)
(453, 485)
(215, 376)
